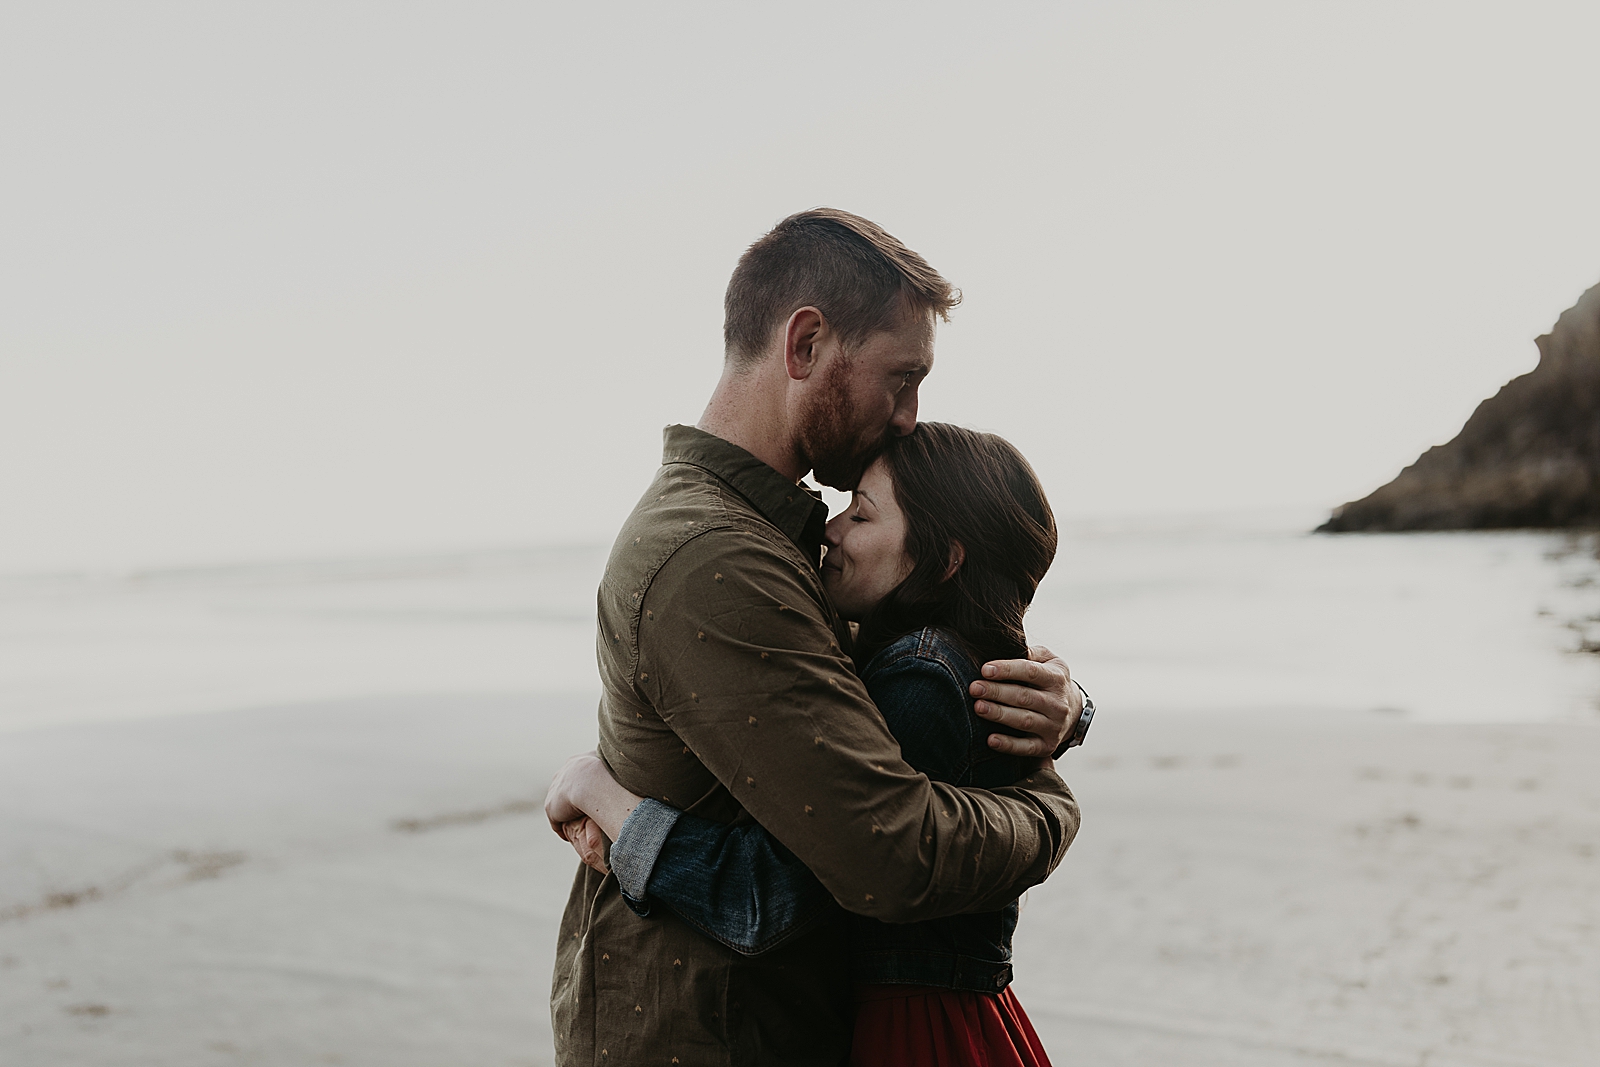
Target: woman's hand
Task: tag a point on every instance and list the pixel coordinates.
(589, 842)
(564, 803)
(583, 787)
(1033, 695)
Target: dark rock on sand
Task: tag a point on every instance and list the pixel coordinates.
(1528, 457)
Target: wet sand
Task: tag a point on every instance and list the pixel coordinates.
(369, 882)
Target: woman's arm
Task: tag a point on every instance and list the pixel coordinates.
(735, 884)
(584, 787)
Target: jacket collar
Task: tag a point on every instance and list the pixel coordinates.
(797, 510)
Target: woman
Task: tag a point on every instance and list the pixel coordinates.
(937, 559)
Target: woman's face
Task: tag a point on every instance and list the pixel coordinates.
(866, 546)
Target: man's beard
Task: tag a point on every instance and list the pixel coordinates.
(828, 433)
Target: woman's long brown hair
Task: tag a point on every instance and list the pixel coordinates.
(962, 486)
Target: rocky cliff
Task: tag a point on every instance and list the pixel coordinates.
(1528, 457)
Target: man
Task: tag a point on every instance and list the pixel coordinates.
(728, 690)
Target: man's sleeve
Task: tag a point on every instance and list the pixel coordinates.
(738, 656)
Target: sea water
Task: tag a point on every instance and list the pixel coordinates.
(1250, 613)
(1226, 613)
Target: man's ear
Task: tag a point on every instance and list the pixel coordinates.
(958, 556)
(800, 337)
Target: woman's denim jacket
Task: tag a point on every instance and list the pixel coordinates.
(739, 886)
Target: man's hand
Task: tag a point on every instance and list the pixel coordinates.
(589, 842)
(1033, 695)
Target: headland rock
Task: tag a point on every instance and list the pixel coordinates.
(1529, 457)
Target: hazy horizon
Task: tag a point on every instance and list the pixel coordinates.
(317, 282)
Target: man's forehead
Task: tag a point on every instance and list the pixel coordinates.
(921, 329)
(909, 348)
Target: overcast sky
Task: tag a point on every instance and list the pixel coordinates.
(287, 280)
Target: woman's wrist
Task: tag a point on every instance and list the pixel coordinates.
(602, 799)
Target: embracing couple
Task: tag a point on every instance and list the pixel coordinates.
(824, 774)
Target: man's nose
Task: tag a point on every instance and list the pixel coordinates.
(833, 533)
(904, 419)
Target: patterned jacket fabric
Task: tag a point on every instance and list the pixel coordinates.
(727, 690)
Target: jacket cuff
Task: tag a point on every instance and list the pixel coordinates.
(638, 843)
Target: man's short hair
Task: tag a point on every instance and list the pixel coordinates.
(861, 278)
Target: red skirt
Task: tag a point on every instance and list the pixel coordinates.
(915, 1026)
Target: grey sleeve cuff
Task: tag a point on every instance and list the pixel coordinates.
(634, 852)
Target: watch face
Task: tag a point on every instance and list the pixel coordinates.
(1082, 729)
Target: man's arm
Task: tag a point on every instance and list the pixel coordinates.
(739, 658)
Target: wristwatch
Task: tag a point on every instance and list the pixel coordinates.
(1081, 730)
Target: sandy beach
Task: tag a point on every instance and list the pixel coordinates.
(1292, 891)
(366, 882)
(1306, 838)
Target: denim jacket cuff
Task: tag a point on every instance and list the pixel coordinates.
(638, 843)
